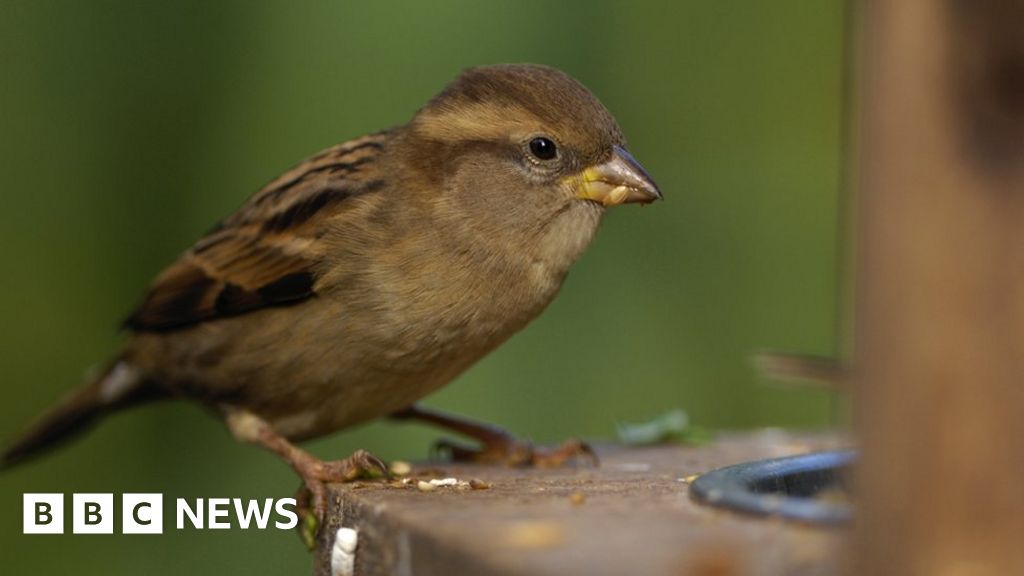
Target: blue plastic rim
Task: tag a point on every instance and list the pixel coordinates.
(788, 488)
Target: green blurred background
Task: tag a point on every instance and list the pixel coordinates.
(128, 128)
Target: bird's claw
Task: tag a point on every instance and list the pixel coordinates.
(311, 499)
(361, 464)
(569, 451)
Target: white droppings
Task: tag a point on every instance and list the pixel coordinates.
(121, 379)
(435, 483)
(343, 553)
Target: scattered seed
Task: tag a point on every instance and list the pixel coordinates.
(577, 498)
(425, 486)
(400, 468)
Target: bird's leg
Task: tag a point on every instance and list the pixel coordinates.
(497, 445)
(315, 473)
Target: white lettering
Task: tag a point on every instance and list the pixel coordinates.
(218, 508)
(252, 510)
(185, 510)
(293, 518)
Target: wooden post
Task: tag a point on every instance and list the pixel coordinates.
(940, 335)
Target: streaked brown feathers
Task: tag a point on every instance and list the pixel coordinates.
(266, 253)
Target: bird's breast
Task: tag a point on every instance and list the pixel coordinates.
(455, 312)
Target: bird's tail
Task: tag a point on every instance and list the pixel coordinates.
(118, 386)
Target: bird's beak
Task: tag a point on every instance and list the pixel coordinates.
(619, 180)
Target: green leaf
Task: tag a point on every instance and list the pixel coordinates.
(673, 426)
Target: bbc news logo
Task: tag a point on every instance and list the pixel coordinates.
(144, 513)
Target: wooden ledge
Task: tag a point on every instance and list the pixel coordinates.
(633, 515)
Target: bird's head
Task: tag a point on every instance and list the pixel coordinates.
(529, 150)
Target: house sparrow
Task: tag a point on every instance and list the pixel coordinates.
(375, 272)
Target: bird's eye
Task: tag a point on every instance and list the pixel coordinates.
(543, 148)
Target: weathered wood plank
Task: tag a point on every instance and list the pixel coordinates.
(632, 515)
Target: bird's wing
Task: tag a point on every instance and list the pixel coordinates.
(266, 253)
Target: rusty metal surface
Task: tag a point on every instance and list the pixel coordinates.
(632, 515)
